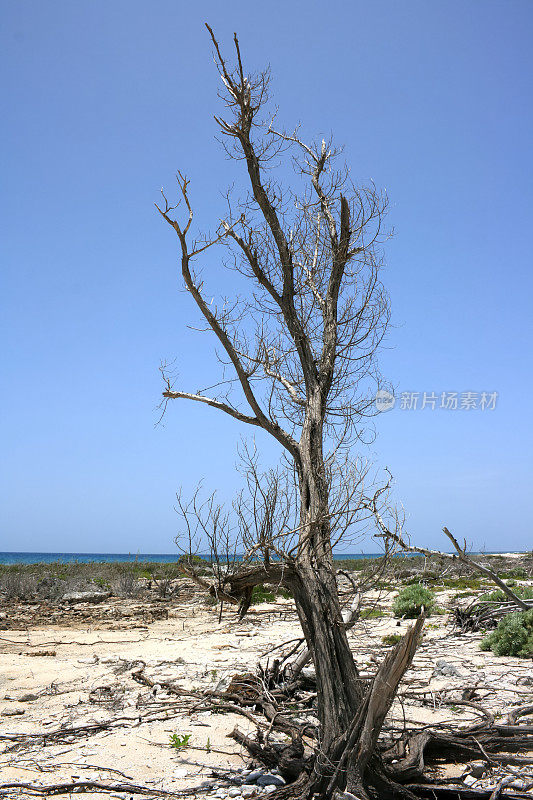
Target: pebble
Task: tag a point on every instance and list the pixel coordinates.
(477, 768)
(90, 660)
(13, 712)
(469, 780)
(234, 792)
(253, 776)
(248, 791)
(270, 780)
(445, 668)
(180, 773)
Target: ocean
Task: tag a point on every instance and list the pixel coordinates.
(102, 558)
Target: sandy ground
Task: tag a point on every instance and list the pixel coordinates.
(78, 674)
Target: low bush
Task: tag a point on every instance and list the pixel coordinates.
(462, 583)
(513, 636)
(192, 560)
(18, 586)
(411, 599)
(127, 585)
(517, 572)
(524, 592)
(372, 613)
(391, 639)
(261, 594)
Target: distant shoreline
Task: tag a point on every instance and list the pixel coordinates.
(36, 557)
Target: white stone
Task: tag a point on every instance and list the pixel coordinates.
(180, 773)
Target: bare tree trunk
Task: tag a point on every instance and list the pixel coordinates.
(316, 593)
(338, 684)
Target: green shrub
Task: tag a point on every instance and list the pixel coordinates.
(391, 639)
(411, 599)
(517, 572)
(353, 564)
(192, 560)
(524, 592)
(462, 583)
(513, 636)
(372, 613)
(261, 594)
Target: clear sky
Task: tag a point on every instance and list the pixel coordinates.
(103, 101)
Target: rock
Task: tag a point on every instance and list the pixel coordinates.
(469, 780)
(89, 660)
(248, 791)
(477, 768)
(234, 792)
(519, 784)
(525, 680)
(13, 712)
(180, 773)
(253, 776)
(270, 780)
(446, 669)
(85, 597)
(28, 698)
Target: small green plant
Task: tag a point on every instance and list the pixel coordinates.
(261, 594)
(513, 636)
(462, 583)
(411, 599)
(179, 742)
(391, 639)
(208, 745)
(372, 613)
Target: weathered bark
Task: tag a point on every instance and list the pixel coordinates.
(315, 588)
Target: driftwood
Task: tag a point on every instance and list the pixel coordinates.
(460, 555)
(78, 787)
(481, 614)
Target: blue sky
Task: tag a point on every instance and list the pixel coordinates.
(103, 101)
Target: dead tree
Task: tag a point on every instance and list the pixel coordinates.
(301, 349)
